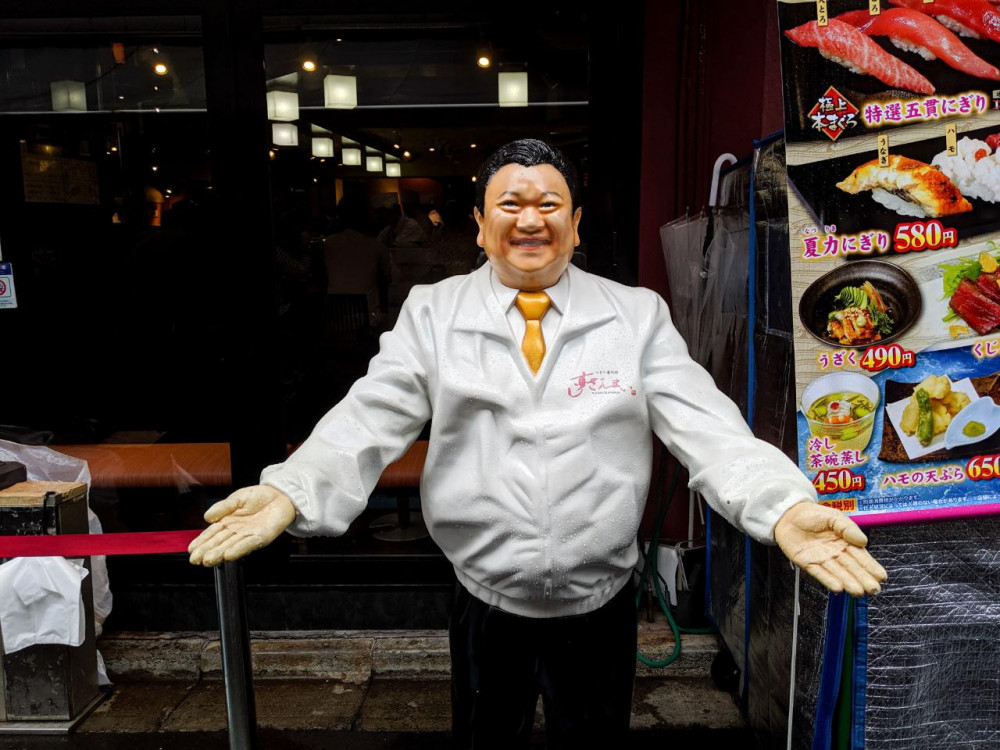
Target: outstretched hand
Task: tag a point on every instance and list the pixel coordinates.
(830, 547)
(249, 519)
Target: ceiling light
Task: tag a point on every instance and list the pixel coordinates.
(392, 169)
(156, 50)
(484, 56)
(114, 148)
(284, 134)
(373, 163)
(431, 149)
(308, 66)
(271, 153)
(160, 69)
(473, 178)
(472, 145)
(322, 146)
(406, 154)
(395, 145)
(154, 168)
(282, 106)
(340, 92)
(513, 89)
(351, 157)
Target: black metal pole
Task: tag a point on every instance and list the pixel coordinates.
(234, 633)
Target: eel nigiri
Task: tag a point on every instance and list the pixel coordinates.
(973, 18)
(912, 181)
(914, 31)
(845, 45)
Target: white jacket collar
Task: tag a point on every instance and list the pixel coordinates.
(479, 311)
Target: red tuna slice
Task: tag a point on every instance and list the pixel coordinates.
(916, 28)
(843, 41)
(975, 308)
(987, 283)
(978, 16)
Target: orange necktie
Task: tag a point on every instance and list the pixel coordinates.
(533, 306)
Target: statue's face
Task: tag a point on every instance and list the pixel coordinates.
(528, 227)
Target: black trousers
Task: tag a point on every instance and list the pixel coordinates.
(583, 666)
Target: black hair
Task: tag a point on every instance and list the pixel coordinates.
(528, 152)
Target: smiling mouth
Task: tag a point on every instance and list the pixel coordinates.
(530, 243)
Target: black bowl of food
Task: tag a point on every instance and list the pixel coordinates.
(861, 303)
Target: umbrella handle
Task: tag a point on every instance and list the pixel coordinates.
(723, 160)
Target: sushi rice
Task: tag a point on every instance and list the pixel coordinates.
(899, 205)
(911, 47)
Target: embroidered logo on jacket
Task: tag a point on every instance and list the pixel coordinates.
(601, 382)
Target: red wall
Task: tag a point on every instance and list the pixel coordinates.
(711, 84)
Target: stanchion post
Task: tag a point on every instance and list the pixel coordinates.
(234, 633)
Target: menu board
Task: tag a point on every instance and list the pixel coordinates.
(52, 179)
(892, 125)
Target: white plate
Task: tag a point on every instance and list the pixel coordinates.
(983, 410)
(911, 444)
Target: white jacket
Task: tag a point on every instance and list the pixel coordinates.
(534, 487)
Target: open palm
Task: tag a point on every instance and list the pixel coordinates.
(830, 547)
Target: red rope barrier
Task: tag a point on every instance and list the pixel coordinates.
(84, 545)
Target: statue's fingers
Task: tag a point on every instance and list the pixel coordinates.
(206, 536)
(850, 584)
(219, 539)
(869, 563)
(243, 547)
(866, 579)
(222, 508)
(825, 577)
(850, 531)
(217, 554)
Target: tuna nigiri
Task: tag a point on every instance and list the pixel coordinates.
(913, 31)
(972, 18)
(845, 45)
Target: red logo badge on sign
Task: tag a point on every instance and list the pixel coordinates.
(833, 114)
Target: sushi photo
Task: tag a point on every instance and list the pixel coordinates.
(908, 187)
(920, 182)
(914, 31)
(976, 19)
(845, 45)
(911, 50)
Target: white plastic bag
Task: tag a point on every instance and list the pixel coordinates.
(47, 465)
(41, 602)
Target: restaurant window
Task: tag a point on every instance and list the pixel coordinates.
(178, 361)
(377, 135)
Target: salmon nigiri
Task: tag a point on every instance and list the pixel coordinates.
(973, 18)
(845, 45)
(913, 31)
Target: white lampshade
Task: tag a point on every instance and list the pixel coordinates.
(351, 157)
(373, 163)
(282, 106)
(68, 96)
(285, 134)
(340, 92)
(513, 89)
(392, 169)
(322, 146)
